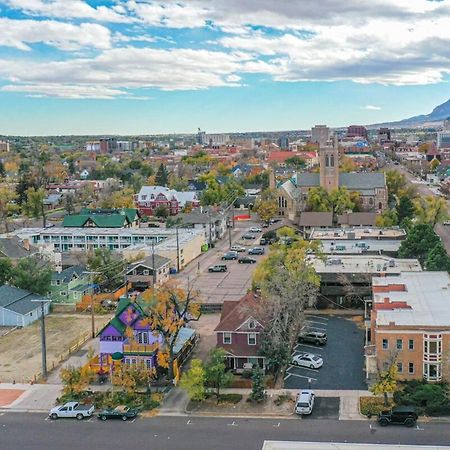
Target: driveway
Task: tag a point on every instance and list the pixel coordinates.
(342, 355)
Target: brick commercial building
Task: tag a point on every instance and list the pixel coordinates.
(410, 324)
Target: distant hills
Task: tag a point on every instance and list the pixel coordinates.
(440, 113)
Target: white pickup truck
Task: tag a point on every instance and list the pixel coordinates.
(71, 410)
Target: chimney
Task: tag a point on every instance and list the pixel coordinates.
(26, 244)
(272, 183)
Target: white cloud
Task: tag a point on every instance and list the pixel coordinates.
(65, 36)
(77, 9)
(371, 108)
(116, 71)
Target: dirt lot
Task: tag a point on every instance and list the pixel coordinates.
(205, 326)
(20, 350)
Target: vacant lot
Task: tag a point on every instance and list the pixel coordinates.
(20, 350)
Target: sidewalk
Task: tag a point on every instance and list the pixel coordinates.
(29, 398)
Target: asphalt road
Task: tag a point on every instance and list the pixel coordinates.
(33, 432)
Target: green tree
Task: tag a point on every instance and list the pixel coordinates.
(341, 201)
(6, 270)
(2, 169)
(388, 218)
(8, 206)
(397, 186)
(75, 380)
(33, 275)
(431, 210)
(296, 162)
(162, 212)
(318, 200)
(386, 382)
(405, 209)
(418, 243)
(162, 176)
(193, 381)
(438, 259)
(34, 206)
(258, 392)
(109, 267)
(217, 375)
(266, 208)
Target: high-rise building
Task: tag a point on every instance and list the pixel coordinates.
(4, 146)
(357, 131)
(329, 166)
(320, 134)
(384, 135)
(446, 124)
(443, 139)
(108, 145)
(283, 142)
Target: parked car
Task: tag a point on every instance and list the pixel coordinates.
(255, 230)
(120, 412)
(447, 222)
(218, 268)
(304, 403)
(313, 337)
(248, 236)
(71, 410)
(256, 251)
(401, 415)
(246, 260)
(263, 241)
(238, 248)
(265, 225)
(307, 360)
(230, 256)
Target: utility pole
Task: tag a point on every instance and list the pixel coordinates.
(229, 233)
(43, 343)
(153, 263)
(178, 252)
(91, 273)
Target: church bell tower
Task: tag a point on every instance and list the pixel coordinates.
(329, 165)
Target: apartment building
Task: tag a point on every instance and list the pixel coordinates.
(410, 325)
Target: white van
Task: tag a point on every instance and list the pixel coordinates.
(305, 402)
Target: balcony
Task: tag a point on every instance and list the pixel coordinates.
(141, 349)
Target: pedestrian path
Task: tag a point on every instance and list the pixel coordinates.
(175, 403)
(30, 397)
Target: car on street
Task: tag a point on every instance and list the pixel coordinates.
(120, 412)
(238, 248)
(248, 236)
(246, 260)
(307, 360)
(71, 410)
(230, 256)
(304, 403)
(255, 230)
(218, 268)
(256, 251)
(401, 415)
(313, 337)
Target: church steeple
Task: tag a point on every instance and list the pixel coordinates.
(329, 165)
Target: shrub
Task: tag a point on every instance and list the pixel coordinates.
(230, 398)
(371, 406)
(282, 399)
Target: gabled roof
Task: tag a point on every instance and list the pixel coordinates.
(316, 219)
(352, 181)
(233, 317)
(102, 218)
(160, 261)
(357, 218)
(67, 274)
(12, 248)
(18, 300)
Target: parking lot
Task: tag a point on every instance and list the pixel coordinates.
(342, 356)
(219, 286)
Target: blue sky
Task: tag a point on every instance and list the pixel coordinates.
(129, 66)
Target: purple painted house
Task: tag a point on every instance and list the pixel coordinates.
(115, 344)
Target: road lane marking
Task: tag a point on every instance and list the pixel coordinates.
(277, 425)
(233, 424)
(189, 422)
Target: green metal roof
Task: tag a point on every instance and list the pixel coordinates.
(77, 220)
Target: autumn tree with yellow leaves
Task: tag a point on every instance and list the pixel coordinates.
(168, 309)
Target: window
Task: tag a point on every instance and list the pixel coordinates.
(146, 272)
(251, 338)
(399, 344)
(63, 293)
(142, 338)
(251, 324)
(385, 344)
(411, 344)
(332, 161)
(400, 367)
(411, 367)
(227, 338)
(148, 363)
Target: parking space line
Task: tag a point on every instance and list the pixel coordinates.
(303, 368)
(287, 376)
(315, 321)
(306, 345)
(300, 352)
(318, 317)
(313, 327)
(302, 376)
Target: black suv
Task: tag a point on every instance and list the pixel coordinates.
(401, 415)
(313, 337)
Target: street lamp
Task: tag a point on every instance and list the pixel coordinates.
(43, 301)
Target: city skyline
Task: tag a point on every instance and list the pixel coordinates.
(127, 67)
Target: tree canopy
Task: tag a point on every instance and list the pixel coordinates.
(33, 275)
(418, 243)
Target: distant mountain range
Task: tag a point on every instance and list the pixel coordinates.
(435, 118)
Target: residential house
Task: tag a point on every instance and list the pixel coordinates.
(84, 174)
(239, 333)
(150, 198)
(410, 326)
(70, 285)
(213, 222)
(151, 270)
(52, 201)
(18, 307)
(103, 218)
(129, 339)
(15, 249)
